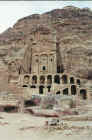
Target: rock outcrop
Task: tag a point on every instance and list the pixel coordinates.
(73, 29)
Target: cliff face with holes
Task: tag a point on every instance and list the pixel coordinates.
(73, 29)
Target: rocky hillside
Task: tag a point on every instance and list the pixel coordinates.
(73, 29)
(67, 21)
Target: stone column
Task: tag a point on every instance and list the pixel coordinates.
(38, 80)
(30, 79)
(45, 85)
(68, 79)
(45, 80)
(78, 96)
(21, 106)
(20, 81)
(53, 89)
(69, 89)
(53, 79)
(21, 100)
(55, 63)
(89, 91)
(48, 65)
(65, 66)
(37, 89)
(60, 79)
(39, 63)
(75, 80)
(45, 89)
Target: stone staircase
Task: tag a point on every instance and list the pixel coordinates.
(8, 99)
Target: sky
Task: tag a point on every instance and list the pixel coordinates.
(11, 11)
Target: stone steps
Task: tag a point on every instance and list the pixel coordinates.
(8, 97)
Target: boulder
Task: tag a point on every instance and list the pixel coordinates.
(65, 102)
(48, 102)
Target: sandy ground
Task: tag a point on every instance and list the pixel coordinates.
(18, 126)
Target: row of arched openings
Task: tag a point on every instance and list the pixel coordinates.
(57, 79)
(83, 92)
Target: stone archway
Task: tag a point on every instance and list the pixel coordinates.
(41, 89)
(58, 92)
(42, 79)
(83, 94)
(49, 88)
(34, 79)
(73, 90)
(32, 86)
(43, 63)
(28, 103)
(10, 108)
(78, 81)
(60, 69)
(71, 80)
(57, 79)
(65, 91)
(26, 80)
(25, 86)
(64, 79)
(49, 79)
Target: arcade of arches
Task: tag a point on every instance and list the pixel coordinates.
(55, 84)
(44, 66)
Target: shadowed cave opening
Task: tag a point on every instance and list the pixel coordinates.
(42, 79)
(49, 79)
(64, 79)
(83, 94)
(73, 90)
(25, 86)
(26, 79)
(71, 80)
(57, 79)
(34, 79)
(49, 87)
(10, 109)
(65, 91)
(28, 103)
(60, 69)
(78, 81)
(33, 86)
(90, 75)
(41, 88)
(58, 92)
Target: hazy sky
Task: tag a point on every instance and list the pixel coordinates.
(11, 11)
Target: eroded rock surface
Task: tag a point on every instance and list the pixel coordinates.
(72, 27)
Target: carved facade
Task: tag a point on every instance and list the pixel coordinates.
(45, 70)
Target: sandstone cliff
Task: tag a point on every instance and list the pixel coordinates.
(73, 28)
